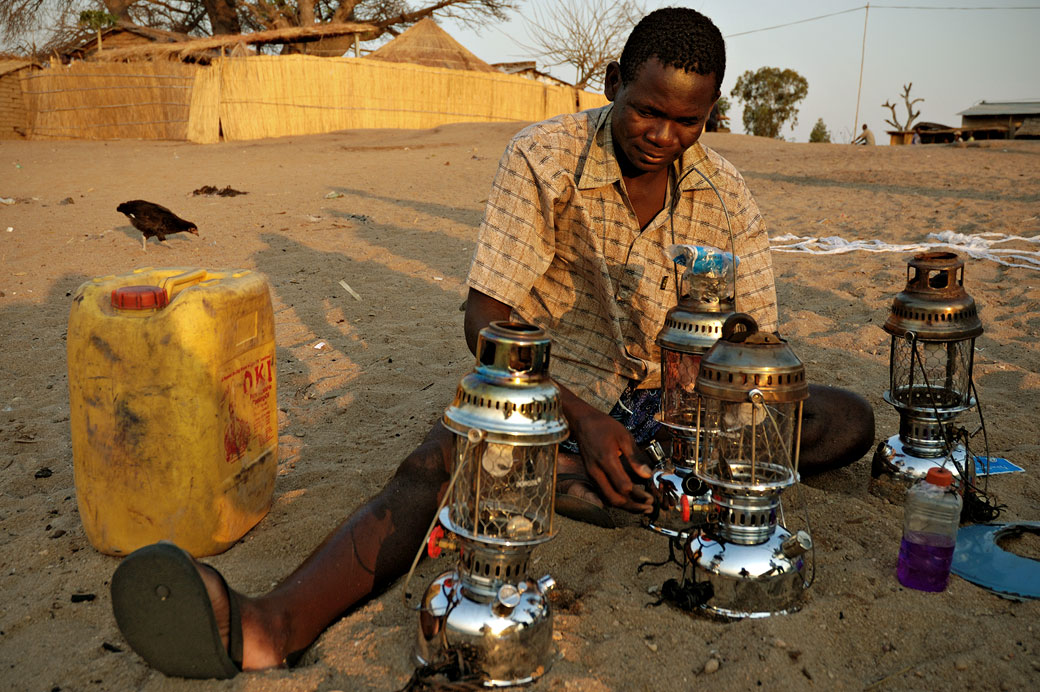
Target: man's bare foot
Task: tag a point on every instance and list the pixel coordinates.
(263, 635)
(573, 480)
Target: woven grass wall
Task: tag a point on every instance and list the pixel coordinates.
(277, 96)
(588, 99)
(14, 119)
(204, 116)
(142, 100)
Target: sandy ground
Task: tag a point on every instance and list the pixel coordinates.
(401, 235)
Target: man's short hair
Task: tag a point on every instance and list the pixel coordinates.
(678, 37)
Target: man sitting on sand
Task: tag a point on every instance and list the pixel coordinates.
(572, 240)
(865, 137)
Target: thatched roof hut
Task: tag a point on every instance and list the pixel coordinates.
(84, 44)
(427, 44)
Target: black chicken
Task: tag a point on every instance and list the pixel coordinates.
(153, 219)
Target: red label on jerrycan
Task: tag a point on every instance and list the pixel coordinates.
(173, 407)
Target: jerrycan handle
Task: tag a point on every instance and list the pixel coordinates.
(175, 284)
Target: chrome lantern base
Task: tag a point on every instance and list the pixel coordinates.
(755, 566)
(507, 636)
(502, 625)
(899, 461)
(752, 581)
(488, 609)
(922, 442)
(682, 501)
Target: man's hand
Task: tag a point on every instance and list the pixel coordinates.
(611, 456)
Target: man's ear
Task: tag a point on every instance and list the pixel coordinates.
(612, 80)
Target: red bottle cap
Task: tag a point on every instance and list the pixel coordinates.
(939, 477)
(139, 298)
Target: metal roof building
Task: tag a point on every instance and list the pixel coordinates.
(1008, 118)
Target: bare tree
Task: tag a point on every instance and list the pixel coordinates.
(911, 114)
(207, 17)
(586, 34)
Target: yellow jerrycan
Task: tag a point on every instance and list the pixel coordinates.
(173, 407)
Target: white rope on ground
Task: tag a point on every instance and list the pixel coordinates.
(978, 246)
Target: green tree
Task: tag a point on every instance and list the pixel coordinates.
(722, 106)
(819, 132)
(770, 97)
(96, 20)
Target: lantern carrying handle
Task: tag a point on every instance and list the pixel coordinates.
(731, 328)
(729, 228)
(473, 438)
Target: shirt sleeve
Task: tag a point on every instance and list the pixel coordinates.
(516, 240)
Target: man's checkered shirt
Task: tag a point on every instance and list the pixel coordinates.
(561, 244)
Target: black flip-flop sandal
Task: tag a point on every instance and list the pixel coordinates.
(162, 609)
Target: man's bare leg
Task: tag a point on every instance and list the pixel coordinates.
(364, 554)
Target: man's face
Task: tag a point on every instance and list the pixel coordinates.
(658, 115)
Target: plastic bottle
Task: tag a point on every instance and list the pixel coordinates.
(931, 517)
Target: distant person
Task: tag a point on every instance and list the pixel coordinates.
(957, 137)
(865, 137)
(916, 139)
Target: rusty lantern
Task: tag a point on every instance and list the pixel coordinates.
(933, 323)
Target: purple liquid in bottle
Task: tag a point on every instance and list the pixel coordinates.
(924, 561)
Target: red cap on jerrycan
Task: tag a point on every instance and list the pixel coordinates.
(139, 298)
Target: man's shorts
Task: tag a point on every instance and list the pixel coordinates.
(635, 410)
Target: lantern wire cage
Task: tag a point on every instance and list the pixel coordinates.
(978, 505)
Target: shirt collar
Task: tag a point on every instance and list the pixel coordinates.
(601, 166)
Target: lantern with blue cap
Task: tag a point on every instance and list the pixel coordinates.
(690, 329)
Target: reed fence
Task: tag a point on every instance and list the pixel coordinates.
(243, 98)
(141, 100)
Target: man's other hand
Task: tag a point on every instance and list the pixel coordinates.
(612, 458)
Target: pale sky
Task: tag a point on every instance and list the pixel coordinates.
(954, 58)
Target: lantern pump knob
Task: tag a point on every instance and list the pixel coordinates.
(546, 584)
(798, 544)
(507, 599)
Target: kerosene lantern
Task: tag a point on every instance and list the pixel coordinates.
(690, 329)
(507, 421)
(933, 323)
(751, 387)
